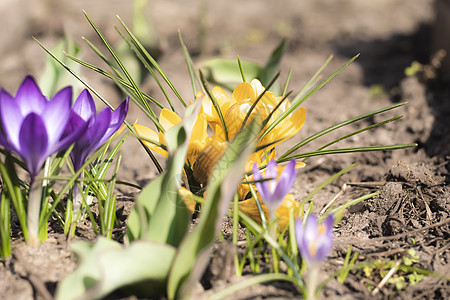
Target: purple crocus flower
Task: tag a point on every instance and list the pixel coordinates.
(314, 240)
(33, 126)
(100, 128)
(274, 190)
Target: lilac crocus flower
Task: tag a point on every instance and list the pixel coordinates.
(100, 128)
(33, 125)
(274, 190)
(314, 240)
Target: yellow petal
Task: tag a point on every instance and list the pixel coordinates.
(286, 128)
(289, 203)
(149, 134)
(168, 119)
(243, 91)
(199, 130)
(257, 86)
(220, 95)
(250, 208)
(188, 199)
(207, 159)
(194, 149)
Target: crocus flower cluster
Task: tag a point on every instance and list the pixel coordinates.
(205, 149)
(33, 126)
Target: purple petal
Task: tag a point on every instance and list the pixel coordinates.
(311, 228)
(117, 118)
(29, 97)
(85, 106)
(33, 141)
(75, 121)
(263, 187)
(301, 240)
(286, 181)
(75, 127)
(329, 223)
(56, 114)
(87, 143)
(314, 236)
(325, 241)
(11, 118)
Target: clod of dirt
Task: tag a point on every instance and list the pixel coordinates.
(403, 172)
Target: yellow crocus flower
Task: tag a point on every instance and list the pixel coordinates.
(168, 119)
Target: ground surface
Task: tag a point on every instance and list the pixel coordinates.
(413, 207)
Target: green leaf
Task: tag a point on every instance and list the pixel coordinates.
(160, 214)
(226, 72)
(193, 253)
(272, 66)
(105, 266)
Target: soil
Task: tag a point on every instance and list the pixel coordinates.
(412, 209)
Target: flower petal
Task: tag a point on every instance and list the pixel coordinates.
(117, 118)
(85, 106)
(168, 119)
(242, 92)
(262, 186)
(199, 130)
(56, 114)
(88, 142)
(33, 141)
(149, 134)
(286, 180)
(29, 97)
(283, 211)
(73, 129)
(11, 118)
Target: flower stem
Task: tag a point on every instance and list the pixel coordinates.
(311, 283)
(34, 208)
(77, 200)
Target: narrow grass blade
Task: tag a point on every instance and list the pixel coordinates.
(297, 102)
(12, 187)
(193, 75)
(110, 76)
(110, 204)
(346, 150)
(241, 70)
(257, 279)
(312, 80)
(288, 79)
(337, 126)
(250, 223)
(133, 45)
(215, 104)
(152, 61)
(117, 60)
(360, 131)
(328, 181)
(5, 226)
